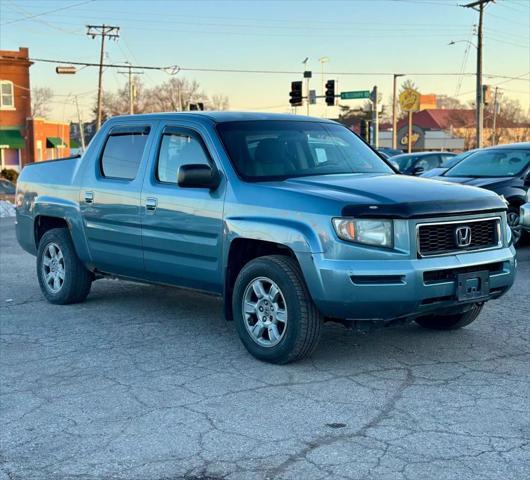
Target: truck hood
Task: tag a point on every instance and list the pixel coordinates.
(394, 196)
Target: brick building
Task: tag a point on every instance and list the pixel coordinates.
(47, 140)
(15, 107)
(24, 139)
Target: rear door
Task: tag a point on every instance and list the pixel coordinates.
(182, 227)
(110, 200)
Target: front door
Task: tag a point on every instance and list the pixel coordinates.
(110, 200)
(182, 227)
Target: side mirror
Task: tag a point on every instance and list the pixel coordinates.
(198, 176)
(417, 171)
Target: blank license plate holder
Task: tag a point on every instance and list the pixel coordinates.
(472, 286)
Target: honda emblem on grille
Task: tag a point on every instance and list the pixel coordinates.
(463, 236)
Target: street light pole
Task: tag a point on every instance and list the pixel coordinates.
(81, 126)
(307, 76)
(394, 110)
(322, 61)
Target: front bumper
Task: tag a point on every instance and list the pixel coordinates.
(388, 289)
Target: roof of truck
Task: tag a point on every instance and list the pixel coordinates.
(220, 117)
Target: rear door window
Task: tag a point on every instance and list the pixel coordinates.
(123, 153)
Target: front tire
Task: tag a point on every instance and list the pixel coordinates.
(275, 316)
(450, 322)
(63, 279)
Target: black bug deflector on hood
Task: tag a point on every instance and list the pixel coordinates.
(425, 209)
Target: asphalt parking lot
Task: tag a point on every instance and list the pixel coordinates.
(150, 383)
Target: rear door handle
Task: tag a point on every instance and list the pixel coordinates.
(150, 204)
(89, 197)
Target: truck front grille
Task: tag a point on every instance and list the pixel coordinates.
(442, 237)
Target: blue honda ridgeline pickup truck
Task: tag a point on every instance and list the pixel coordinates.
(293, 220)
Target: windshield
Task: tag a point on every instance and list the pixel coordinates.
(276, 149)
(405, 161)
(492, 163)
(452, 161)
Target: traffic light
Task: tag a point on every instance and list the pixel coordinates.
(296, 94)
(330, 93)
(365, 130)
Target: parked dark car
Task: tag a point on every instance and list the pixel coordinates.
(420, 162)
(388, 158)
(391, 152)
(447, 164)
(524, 218)
(7, 190)
(505, 170)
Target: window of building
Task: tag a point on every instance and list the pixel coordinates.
(176, 149)
(122, 155)
(7, 97)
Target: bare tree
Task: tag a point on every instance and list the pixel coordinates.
(117, 103)
(408, 84)
(218, 102)
(40, 101)
(175, 95)
(445, 101)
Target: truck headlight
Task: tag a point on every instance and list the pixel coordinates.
(370, 232)
(509, 236)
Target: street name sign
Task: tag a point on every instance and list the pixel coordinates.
(354, 95)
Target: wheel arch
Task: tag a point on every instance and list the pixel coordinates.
(43, 223)
(50, 212)
(241, 251)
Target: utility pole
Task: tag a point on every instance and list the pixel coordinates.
(132, 87)
(478, 5)
(81, 127)
(102, 31)
(495, 107)
(394, 110)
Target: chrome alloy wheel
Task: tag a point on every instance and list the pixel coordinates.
(53, 268)
(264, 312)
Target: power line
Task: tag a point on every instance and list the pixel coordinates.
(173, 69)
(29, 17)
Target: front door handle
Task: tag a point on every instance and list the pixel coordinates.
(150, 204)
(89, 197)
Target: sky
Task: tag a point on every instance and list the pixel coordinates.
(365, 41)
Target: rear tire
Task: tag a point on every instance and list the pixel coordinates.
(63, 279)
(274, 313)
(450, 322)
